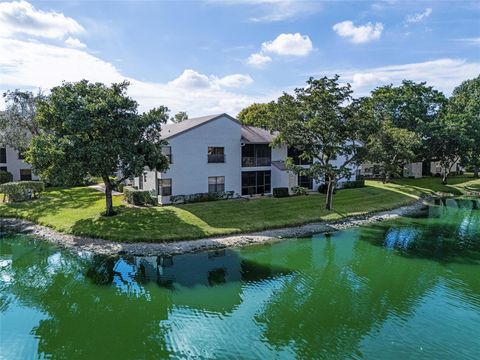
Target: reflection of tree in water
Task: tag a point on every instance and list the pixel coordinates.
(326, 311)
(88, 318)
(449, 232)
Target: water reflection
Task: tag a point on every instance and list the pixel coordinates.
(390, 288)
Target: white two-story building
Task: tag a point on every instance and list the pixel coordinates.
(11, 160)
(216, 153)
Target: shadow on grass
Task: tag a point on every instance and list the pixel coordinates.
(134, 224)
(53, 202)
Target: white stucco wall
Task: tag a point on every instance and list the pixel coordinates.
(14, 164)
(190, 169)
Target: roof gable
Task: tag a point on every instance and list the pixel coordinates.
(171, 130)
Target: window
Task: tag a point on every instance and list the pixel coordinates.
(216, 184)
(256, 182)
(295, 155)
(25, 174)
(3, 168)
(167, 151)
(3, 155)
(256, 155)
(165, 187)
(216, 154)
(305, 181)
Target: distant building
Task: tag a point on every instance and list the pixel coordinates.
(216, 153)
(12, 161)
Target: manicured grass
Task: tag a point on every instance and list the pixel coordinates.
(78, 210)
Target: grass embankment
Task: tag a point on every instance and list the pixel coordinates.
(77, 211)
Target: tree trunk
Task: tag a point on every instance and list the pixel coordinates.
(330, 190)
(386, 178)
(475, 171)
(108, 197)
(445, 176)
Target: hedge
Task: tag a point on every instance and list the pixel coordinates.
(5, 177)
(201, 197)
(299, 190)
(139, 197)
(280, 192)
(21, 190)
(353, 184)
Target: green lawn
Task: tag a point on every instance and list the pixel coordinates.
(77, 211)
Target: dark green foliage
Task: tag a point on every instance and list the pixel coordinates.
(139, 197)
(89, 129)
(202, 197)
(280, 192)
(5, 177)
(323, 189)
(353, 184)
(21, 190)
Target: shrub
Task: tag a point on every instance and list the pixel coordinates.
(353, 184)
(21, 190)
(5, 177)
(120, 187)
(139, 197)
(280, 192)
(299, 190)
(322, 189)
(202, 197)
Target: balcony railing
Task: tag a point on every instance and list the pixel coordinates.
(255, 161)
(216, 158)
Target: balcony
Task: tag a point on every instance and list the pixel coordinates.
(216, 158)
(255, 161)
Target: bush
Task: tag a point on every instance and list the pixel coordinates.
(280, 192)
(139, 197)
(21, 190)
(353, 184)
(299, 190)
(201, 197)
(5, 177)
(120, 187)
(322, 189)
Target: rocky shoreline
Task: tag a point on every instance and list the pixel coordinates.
(100, 246)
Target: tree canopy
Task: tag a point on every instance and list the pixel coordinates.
(18, 123)
(319, 123)
(89, 129)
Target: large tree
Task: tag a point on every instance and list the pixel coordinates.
(18, 123)
(391, 148)
(464, 107)
(257, 114)
(318, 122)
(89, 129)
(412, 106)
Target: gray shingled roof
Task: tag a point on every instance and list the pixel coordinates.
(255, 135)
(171, 130)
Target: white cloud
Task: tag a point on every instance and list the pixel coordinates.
(235, 81)
(74, 43)
(192, 80)
(359, 34)
(29, 64)
(470, 41)
(443, 74)
(20, 17)
(415, 18)
(289, 44)
(274, 10)
(283, 45)
(258, 59)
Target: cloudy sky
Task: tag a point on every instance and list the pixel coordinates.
(216, 56)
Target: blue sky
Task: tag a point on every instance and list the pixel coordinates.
(218, 56)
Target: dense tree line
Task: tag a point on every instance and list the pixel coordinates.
(88, 129)
(392, 127)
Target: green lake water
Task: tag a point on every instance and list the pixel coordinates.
(403, 289)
